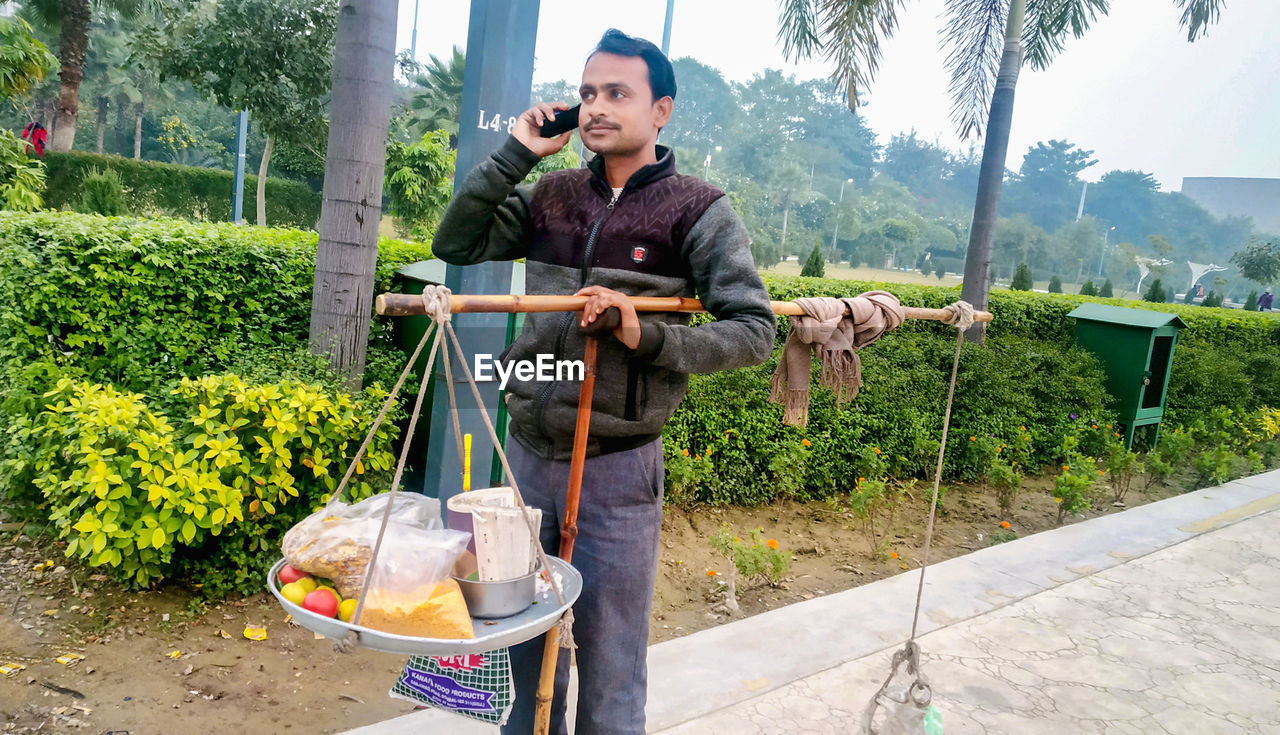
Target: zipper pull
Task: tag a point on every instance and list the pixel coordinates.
(609, 206)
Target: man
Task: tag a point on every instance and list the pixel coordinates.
(1265, 300)
(628, 225)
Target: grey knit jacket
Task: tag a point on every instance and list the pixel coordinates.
(666, 235)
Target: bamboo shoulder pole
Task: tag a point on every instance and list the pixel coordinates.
(399, 304)
(568, 533)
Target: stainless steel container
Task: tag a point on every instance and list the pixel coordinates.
(498, 599)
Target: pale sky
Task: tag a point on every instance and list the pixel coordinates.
(1132, 90)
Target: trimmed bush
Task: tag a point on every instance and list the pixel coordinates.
(103, 194)
(142, 304)
(1022, 280)
(172, 190)
(1107, 291)
(139, 303)
(1028, 388)
(128, 487)
(815, 266)
(1088, 289)
(1055, 285)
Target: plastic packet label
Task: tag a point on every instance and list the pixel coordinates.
(477, 686)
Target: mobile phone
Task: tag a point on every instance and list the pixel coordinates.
(565, 121)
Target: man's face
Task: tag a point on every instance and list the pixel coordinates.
(619, 115)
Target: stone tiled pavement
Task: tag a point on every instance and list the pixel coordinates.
(1183, 641)
(1161, 619)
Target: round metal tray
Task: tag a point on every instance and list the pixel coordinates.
(490, 634)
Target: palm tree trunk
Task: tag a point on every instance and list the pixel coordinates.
(262, 181)
(73, 41)
(137, 132)
(102, 121)
(977, 266)
(342, 295)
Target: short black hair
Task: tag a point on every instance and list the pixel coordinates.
(662, 78)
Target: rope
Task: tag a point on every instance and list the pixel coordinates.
(565, 624)
(960, 316)
(350, 640)
(435, 300)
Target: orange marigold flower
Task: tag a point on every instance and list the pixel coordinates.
(709, 451)
(999, 450)
(1066, 467)
(685, 452)
(698, 457)
(805, 442)
(862, 479)
(712, 573)
(772, 543)
(893, 555)
(1108, 426)
(1100, 472)
(877, 449)
(1004, 524)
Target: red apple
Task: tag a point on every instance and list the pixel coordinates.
(289, 575)
(322, 602)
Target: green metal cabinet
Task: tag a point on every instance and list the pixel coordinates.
(414, 278)
(1135, 348)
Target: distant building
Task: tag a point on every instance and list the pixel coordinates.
(1226, 195)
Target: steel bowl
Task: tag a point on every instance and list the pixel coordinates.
(498, 599)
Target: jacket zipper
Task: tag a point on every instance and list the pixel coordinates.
(567, 320)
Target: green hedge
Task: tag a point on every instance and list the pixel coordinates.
(1028, 376)
(171, 190)
(140, 302)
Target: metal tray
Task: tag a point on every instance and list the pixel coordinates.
(490, 634)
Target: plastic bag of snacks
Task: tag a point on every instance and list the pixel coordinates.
(410, 592)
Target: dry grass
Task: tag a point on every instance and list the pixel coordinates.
(846, 273)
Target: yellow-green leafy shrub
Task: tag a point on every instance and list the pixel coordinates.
(130, 488)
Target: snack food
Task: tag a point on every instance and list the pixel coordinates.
(441, 613)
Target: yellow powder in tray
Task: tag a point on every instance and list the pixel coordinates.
(443, 615)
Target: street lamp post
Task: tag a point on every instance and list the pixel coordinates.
(1106, 235)
(706, 165)
(835, 236)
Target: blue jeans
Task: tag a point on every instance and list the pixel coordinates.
(619, 519)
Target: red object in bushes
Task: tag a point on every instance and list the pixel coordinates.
(36, 136)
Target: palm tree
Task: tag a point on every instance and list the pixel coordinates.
(984, 62)
(437, 103)
(71, 19)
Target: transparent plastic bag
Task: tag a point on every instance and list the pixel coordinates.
(417, 553)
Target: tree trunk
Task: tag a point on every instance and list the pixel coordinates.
(783, 245)
(72, 43)
(342, 295)
(262, 181)
(137, 132)
(102, 121)
(977, 266)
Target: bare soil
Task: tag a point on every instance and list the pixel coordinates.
(161, 662)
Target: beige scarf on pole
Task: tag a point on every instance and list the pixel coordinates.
(836, 337)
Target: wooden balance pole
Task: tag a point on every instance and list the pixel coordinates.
(568, 532)
(399, 304)
(396, 304)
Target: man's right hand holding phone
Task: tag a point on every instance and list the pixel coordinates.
(528, 129)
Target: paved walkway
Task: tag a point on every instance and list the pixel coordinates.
(1161, 619)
